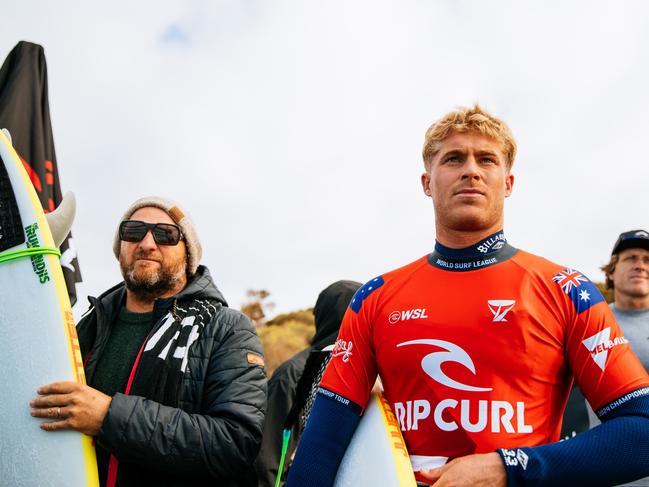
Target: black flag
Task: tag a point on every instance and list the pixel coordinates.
(25, 111)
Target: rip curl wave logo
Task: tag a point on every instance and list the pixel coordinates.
(432, 363)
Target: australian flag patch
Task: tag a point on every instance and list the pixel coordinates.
(367, 289)
(581, 290)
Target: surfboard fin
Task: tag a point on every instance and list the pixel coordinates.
(60, 220)
(6, 132)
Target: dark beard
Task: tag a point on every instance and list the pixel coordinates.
(144, 289)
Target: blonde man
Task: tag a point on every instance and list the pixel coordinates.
(479, 377)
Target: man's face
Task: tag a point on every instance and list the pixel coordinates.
(631, 274)
(468, 181)
(149, 269)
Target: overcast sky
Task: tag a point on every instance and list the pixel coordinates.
(292, 130)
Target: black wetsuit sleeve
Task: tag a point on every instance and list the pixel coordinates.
(326, 436)
(615, 452)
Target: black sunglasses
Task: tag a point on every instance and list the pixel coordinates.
(163, 233)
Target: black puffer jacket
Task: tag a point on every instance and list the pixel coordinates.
(214, 433)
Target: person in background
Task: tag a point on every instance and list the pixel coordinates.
(627, 274)
(176, 389)
(292, 386)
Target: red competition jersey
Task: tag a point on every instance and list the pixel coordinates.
(477, 354)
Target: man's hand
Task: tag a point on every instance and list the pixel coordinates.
(485, 470)
(72, 406)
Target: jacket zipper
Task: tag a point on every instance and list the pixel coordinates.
(113, 463)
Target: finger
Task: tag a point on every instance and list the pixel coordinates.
(55, 425)
(63, 387)
(432, 474)
(57, 412)
(50, 401)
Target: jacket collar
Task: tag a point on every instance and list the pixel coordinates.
(199, 286)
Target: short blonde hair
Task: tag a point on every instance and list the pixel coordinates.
(473, 119)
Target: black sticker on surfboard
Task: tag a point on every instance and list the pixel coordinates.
(11, 226)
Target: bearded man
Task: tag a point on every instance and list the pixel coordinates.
(176, 388)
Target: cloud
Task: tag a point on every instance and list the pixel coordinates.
(175, 34)
(293, 130)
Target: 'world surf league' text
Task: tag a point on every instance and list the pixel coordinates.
(476, 264)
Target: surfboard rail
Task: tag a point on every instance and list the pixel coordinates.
(49, 273)
(377, 453)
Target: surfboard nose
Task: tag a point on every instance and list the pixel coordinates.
(8, 135)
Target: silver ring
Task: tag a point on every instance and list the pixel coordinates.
(58, 412)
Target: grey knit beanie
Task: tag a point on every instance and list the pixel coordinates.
(180, 217)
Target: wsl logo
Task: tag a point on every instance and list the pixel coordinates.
(410, 314)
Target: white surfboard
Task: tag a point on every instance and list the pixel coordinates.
(38, 345)
(377, 454)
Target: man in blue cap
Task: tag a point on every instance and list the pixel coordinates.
(627, 273)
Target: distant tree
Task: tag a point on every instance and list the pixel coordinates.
(286, 334)
(303, 316)
(281, 342)
(256, 307)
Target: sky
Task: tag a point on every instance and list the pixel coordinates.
(291, 131)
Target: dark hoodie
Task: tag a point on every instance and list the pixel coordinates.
(213, 431)
(292, 381)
